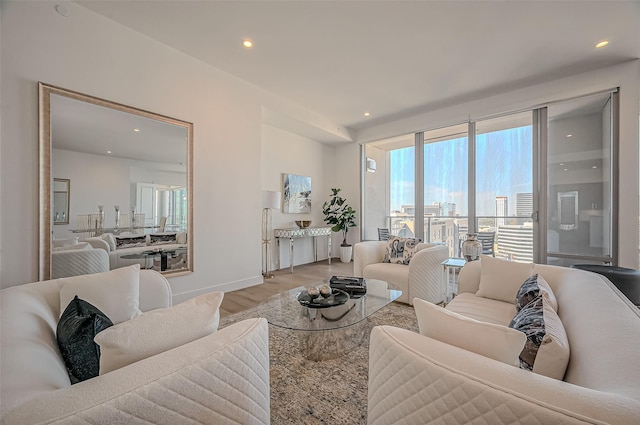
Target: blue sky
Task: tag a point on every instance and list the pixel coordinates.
(503, 168)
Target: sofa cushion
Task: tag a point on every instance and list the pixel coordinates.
(482, 309)
(500, 279)
(531, 288)
(498, 342)
(158, 331)
(116, 293)
(78, 325)
(547, 348)
(400, 250)
(130, 241)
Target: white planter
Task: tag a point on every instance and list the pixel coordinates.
(345, 253)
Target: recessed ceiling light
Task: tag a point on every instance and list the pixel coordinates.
(565, 169)
(569, 135)
(247, 43)
(562, 163)
(595, 166)
(366, 114)
(137, 130)
(602, 44)
(109, 152)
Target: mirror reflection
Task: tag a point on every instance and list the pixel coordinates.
(61, 196)
(131, 174)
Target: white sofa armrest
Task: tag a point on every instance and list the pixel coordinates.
(78, 262)
(414, 379)
(426, 274)
(221, 378)
(365, 253)
(98, 243)
(469, 278)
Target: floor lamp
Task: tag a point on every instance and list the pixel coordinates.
(270, 200)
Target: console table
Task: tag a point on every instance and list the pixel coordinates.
(295, 233)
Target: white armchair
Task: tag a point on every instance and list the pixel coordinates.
(75, 262)
(423, 278)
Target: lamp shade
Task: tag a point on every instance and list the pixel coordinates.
(270, 199)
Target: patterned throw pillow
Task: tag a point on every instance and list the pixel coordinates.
(400, 250)
(528, 292)
(546, 350)
(530, 320)
(532, 287)
(130, 241)
(164, 239)
(78, 325)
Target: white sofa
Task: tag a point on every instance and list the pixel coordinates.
(115, 254)
(414, 379)
(422, 278)
(217, 379)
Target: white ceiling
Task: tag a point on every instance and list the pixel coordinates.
(84, 127)
(390, 58)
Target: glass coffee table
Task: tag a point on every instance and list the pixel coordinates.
(327, 333)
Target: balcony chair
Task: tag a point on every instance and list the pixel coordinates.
(487, 240)
(383, 234)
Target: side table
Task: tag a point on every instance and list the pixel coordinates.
(306, 232)
(450, 284)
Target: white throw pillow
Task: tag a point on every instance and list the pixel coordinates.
(76, 247)
(501, 279)
(116, 293)
(110, 239)
(57, 243)
(487, 339)
(158, 331)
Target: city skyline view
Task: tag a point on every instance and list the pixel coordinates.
(503, 168)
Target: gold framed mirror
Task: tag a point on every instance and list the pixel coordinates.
(133, 179)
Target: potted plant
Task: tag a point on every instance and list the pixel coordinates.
(340, 216)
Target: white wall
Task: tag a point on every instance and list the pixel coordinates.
(376, 194)
(103, 180)
(90, 54)
(286, 152)
(625, 76)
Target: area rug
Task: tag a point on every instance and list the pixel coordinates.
(327, 392)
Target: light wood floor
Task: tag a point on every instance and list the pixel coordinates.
(242, 299)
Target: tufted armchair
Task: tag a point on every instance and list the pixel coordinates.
(422, 278)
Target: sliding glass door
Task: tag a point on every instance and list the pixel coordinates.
(580, 185)
(537, 186)
(504, 186)
(445, 191)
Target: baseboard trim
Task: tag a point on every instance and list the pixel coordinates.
(225, 287)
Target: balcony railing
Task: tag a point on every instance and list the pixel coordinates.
(513, 234)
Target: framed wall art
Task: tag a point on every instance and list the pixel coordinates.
(296, 193)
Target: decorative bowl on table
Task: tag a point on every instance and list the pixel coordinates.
(337, 297)
(303, 223)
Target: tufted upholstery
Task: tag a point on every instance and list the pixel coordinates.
(77, 262)
(414, 379)
(218, 379)
(422, 278)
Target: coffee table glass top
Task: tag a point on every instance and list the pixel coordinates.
(284, 310)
